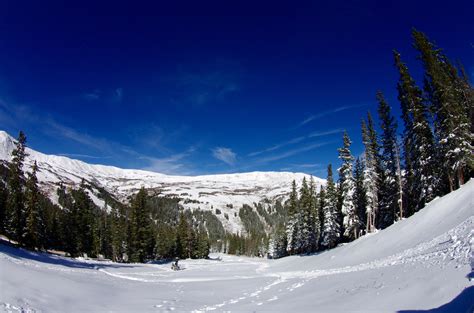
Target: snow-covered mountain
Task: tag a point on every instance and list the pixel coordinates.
(226, 192)
(420, 263)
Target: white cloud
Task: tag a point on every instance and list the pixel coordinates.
(92, 96)
(293, 152)
(297, 140)
(226, 155)
(328, 112)
(326, 132)
(278, 146)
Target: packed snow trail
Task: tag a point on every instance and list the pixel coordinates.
(419, 263)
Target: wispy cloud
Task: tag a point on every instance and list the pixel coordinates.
(293, 152)
(328, 112)
(326, 132)
(296, 140)
(278, 146)
(118, 95)
(56, 129)
(85, 156)
(21, 116)
(169, 165)
(110, 96)
(200, 87)
(226, 155)
(307, 165)
(92, 96)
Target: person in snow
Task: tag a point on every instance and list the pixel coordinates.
(175, 265)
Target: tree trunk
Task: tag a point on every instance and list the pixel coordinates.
(460, 176)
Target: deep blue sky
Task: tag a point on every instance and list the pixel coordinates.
(207, 88)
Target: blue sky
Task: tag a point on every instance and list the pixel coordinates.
(204, 88)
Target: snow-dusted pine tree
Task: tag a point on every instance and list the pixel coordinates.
(452, 106)
(15, 210)
(292, 231)
(418, 142)
(351, 222)
(360, 194)
(34, 230)
(332, 229)
(389, 184)
(372, 171)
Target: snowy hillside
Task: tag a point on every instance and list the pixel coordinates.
(227, 192)
(419, 263)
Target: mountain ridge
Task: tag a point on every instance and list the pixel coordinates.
(226, 192)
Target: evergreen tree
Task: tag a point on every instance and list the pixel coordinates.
(34, 232)
(166, 241)
(293, 218)
(332, 229)
(203, 245)
(306, 222)
(278, 242)
(314, 216)
(84, 213)
(3, 205)
(389, 191)
(182, 238)
(351, 222)
(360, 194)
(321, 212)
(139, 243)
(418, 141)
(452, 106)
(372, 171)
(116, 234)
(16, 216)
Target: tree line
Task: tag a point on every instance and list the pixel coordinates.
(394, 178)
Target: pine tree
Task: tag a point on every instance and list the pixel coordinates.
(321, 212)
(360, 194)
(203, 245)
(351, 222)
(84, 213)
(306, 222)
(314, 216)
(389, 186)
(372, 171)
(278, 242)
(3, 205)
(34, 232)
(293, 218)
(15, 209)
(420, 166)
(332, 229)
(182, 238)
(166, 242)
(451, 106)
(139, 243)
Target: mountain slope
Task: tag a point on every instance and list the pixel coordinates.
(226, 192)
(417, 264)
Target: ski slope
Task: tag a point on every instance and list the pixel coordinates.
(419, 263)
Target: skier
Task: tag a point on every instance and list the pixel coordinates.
(175, 265)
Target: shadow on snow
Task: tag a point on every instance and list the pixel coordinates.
(22, 254)
(463, 303)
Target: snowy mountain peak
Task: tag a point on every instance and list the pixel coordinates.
(226, 192)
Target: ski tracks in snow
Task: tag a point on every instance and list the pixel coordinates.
(455, 246)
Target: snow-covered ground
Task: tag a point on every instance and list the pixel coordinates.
(419, 263)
